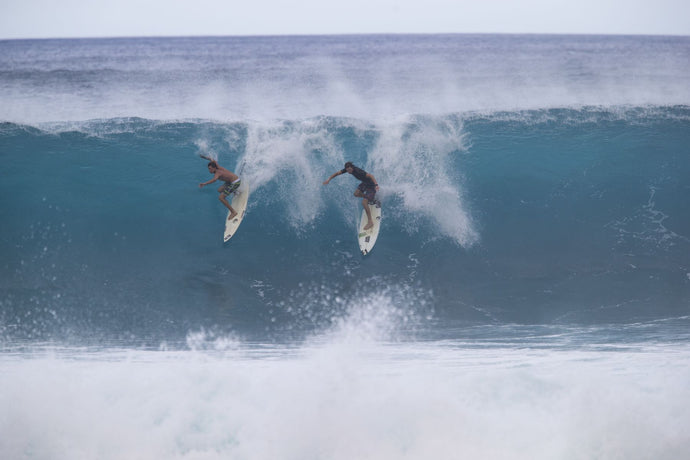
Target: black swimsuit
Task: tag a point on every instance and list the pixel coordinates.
(367, 187)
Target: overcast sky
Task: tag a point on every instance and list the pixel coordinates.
(118, 18)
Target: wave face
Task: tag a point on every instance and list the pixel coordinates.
(524, 179)
(551, 215)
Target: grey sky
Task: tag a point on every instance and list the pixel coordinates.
(107, 18)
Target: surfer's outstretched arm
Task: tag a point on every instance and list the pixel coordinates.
(215, 178)
(332, 176)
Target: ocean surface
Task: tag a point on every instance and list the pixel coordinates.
(528, 296)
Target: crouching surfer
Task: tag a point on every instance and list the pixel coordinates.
(230, 179)
(366, 190)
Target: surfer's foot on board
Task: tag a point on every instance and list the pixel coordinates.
(232, 216)
(368, 226)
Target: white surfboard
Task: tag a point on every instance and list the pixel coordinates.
(367, 238)
(239, 204)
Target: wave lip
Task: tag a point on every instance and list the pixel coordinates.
(264, 78)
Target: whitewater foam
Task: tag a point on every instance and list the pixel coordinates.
(343, 399)
(415, 158)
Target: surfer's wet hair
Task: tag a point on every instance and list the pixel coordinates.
(349, 165)
(214, 164)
